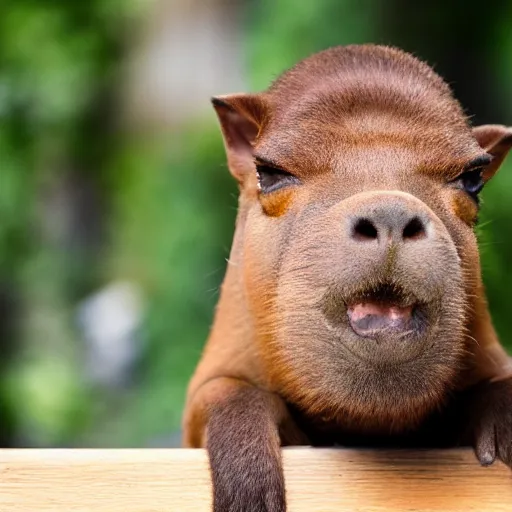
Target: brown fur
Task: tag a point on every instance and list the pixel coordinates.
(366, 132)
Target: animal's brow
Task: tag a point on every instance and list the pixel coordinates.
(455, 167)
(267, 161)
(479, 161)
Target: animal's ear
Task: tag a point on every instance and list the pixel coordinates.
(496, 140)
(241, 118)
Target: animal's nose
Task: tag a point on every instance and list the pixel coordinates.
(393, 221)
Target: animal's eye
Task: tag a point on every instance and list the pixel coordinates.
(471, 182)
(271, 179)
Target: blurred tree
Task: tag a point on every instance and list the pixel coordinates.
(279, 34)
(55, 63)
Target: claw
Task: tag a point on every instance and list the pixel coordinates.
(485, 448)
(486, 458)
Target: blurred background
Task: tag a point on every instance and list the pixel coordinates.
(116, 206)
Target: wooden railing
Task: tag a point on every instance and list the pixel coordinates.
(321, 480)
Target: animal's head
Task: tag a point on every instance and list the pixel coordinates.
(359, 177)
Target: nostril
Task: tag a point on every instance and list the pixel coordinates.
(415, 230)
(364, 230)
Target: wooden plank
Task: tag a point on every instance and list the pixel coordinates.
(317, 480)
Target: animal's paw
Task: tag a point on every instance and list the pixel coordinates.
(492, 423)
(246, 483)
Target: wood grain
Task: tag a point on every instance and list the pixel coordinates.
(317, 480)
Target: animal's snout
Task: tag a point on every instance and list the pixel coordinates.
(389, 219)
(389, 278)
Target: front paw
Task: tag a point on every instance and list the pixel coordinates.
(242, 484)
(492, 423)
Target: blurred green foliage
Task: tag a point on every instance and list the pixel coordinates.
(175, 208)
(169, 201)
(56, 59)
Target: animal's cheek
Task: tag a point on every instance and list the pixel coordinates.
(279, 202)
(463, 207)
(264, 247)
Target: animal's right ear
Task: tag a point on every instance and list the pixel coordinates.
(496, 139)
(241, 118)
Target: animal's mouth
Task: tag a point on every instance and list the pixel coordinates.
(368, 317)
(385, 310)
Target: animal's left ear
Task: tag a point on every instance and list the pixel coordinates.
(496, 140)
(241, 118)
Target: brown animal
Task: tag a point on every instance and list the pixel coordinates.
(353, 310)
